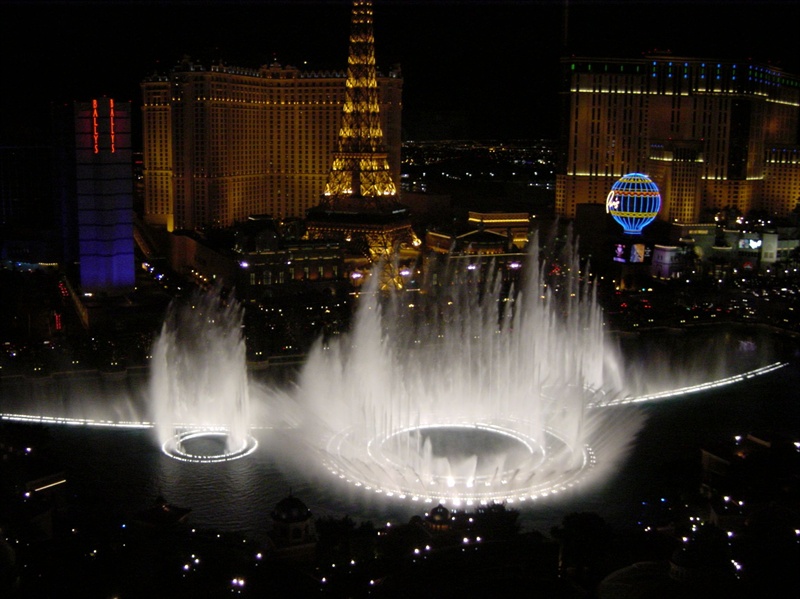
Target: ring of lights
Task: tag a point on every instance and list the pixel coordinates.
(175, 447)
(539, 477)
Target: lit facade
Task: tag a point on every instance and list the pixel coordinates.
(223, 143)
(104, 192)
(711, 134)
(781, 188)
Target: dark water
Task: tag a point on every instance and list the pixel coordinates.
(116, 472)
(667, 450)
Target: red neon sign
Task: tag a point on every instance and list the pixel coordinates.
(95, 134)
(111, 118)
(95, 131)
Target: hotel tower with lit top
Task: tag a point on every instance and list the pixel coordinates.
(223, 143)
(711, 134)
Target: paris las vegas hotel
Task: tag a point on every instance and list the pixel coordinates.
(712, 134)
(222, 143)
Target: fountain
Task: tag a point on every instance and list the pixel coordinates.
(469, 394)
(472, 395)
(199, 388)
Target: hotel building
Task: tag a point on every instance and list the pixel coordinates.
(223, 143)
(712, 134)
(104, 196)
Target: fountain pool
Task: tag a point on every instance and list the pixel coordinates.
(464, 394)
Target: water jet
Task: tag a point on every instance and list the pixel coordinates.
(475, 390)
(199, 388)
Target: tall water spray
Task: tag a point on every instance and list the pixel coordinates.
(472, 392)
(198, 382)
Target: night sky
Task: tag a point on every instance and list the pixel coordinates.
(483, 69)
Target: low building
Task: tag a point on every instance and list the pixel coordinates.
(669, 262)
(256, 257)
(515, 225)
(293, 536)
(720, 251)
(477, 242)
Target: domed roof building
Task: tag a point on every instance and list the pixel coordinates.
(293, 534)
(438, 519)
(291, 509)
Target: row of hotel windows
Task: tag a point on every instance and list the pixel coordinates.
(723, 78)
(268, 277)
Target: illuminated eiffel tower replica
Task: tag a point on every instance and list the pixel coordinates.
(360, 205)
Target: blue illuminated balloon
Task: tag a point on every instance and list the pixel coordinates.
(634, 202)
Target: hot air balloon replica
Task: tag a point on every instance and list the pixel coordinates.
(634, 202)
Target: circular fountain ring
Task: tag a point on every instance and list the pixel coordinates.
(179, 446)
(375, 468)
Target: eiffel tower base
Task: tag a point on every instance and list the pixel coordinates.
(377, 236)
